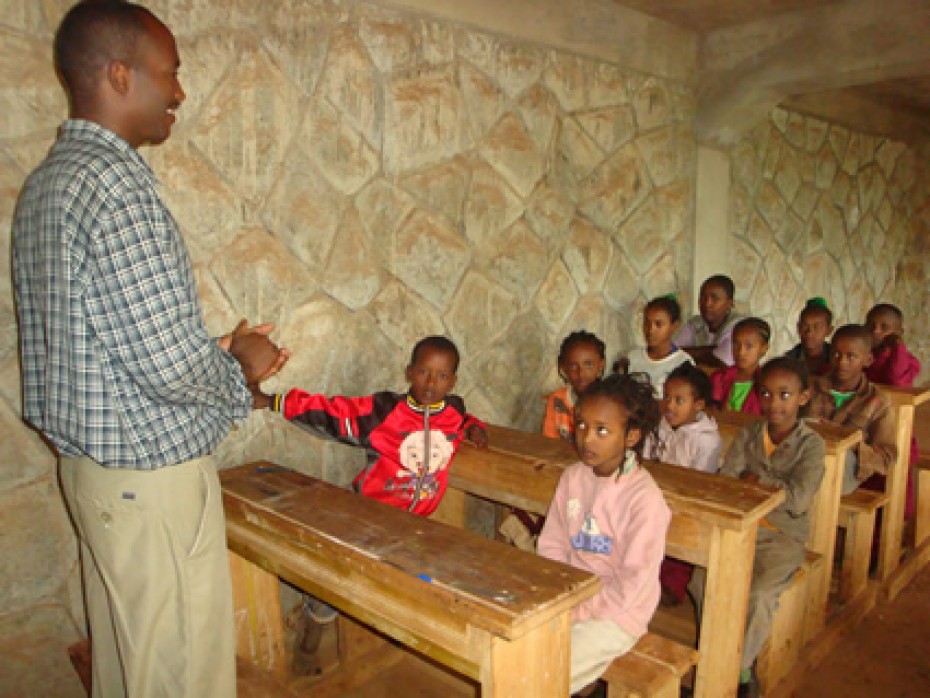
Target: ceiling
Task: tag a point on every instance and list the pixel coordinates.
(898, 107)
(704, 16)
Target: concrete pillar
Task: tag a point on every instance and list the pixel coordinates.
(712, 205)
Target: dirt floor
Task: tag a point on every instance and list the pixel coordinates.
(885, 656)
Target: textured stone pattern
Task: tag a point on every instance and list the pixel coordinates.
(817, 210)
(363, 178)
(912, 290)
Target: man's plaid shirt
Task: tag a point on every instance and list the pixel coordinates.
(117, 362)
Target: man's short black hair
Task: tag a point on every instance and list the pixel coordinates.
(892, 310)
(437, 343)
(860, 332)
(724, 282)
(93, 34)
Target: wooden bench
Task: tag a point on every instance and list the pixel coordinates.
(857, 518)
(489, 612)
(894, 575)
(654, 667)
(714, 523)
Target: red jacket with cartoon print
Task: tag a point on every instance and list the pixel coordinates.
(392, 429)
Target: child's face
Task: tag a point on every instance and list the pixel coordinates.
(432, 375)
(714, 305)
(849, 357)
(748, 349)
(813, 330)
(679, 403)
(581, 366)
(782, 397)
(658, 327)
(882, 323)
(601, 436)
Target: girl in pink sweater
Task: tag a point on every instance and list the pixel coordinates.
(608, 516)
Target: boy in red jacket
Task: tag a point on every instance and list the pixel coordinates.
(410, 438)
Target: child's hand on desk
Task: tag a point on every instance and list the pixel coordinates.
(750, 477)
(477, 435)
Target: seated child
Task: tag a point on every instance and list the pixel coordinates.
(782, 452)
(892, 364)
(661, 319)
(582, 358)
(847, 397)
(687, 437)
(581, 361)
(707, 337)
(410, 438)
(609, 517)
(734, 387)
(815, 324)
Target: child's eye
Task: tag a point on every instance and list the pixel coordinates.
(602, 431)
(765, 394)
(784, 395)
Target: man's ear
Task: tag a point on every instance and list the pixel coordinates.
(409, 373)
(119, 76)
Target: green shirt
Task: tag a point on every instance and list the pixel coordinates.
(841, 398)
(738, 394)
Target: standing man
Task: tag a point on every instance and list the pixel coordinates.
(118, 370)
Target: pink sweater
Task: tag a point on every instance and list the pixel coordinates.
(694, 445)
(614, 528)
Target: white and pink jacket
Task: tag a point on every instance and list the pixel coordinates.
(615, 528)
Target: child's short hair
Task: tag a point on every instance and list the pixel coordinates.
(723, 281)
(757, 325)
(582, 337)
(886, 308)
(696, 378)
(860, 332)
(817, 306)
(786, 363)
(634, 393)
(668, 303)
(437, 343)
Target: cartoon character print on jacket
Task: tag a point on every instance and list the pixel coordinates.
(589, 538)
(418, 472)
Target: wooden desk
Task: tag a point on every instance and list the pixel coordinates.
(488, 611)
(904, 402)
(825, 510)
(714, 522)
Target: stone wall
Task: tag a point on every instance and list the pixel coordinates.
(817, 210)
(912, 291)
(361, 178)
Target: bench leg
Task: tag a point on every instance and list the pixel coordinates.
(723, 618)
(892, 532)
(257, 614)
(922, 517)
(857, 553)
(535, 664)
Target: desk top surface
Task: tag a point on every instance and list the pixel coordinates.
(836, 436)
(499, 582)
(529, 465)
